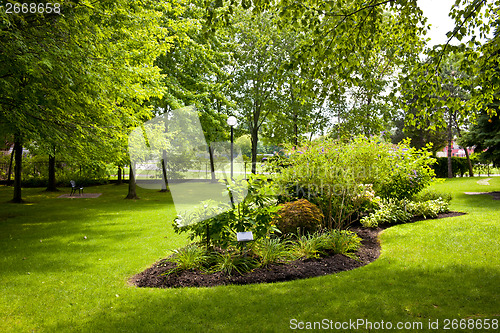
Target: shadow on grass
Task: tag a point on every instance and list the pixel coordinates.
(376, 292)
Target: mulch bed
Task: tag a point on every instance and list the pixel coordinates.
(299, 269)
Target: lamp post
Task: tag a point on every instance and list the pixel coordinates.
(232, 122)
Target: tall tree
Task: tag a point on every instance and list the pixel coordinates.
(261, 49)
(79, 74)
(194, 73)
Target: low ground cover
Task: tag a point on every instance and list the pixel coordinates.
(427, 271)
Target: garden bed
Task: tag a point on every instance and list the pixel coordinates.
(154, 277)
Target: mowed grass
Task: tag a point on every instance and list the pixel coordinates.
(55, 280)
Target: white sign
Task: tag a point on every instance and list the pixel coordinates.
(244, 236)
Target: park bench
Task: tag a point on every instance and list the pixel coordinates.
(74, 188)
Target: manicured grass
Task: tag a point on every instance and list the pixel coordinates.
(55, 280)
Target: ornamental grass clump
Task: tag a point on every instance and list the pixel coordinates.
(229, 262)
(273, 250)
(192, 256)
(327, 242)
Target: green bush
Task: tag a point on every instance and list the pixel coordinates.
(254, 212)
(427, 195)
(342, 241)
(299, 215)
(401, 211)
(391, 211)
(330, 174)
(459, 166)
(309, 246)
(430, 208)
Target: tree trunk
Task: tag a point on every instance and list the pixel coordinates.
(450, 167)
(120, 178)
(212, 166)
(469, 163)
(51, 186)
(295, 119)
(18, 148)
(10, 166)
(255, 140)
(164, 185)
(132, 194)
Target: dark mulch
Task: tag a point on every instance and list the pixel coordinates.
(298, 269)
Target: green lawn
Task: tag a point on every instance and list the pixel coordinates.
(53, 279)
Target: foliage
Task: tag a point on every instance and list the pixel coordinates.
(409, 172)
(192, 256)
(343, 179)
(421, 134)
(272, 250)
(342, 242)
(484, 137)
(401, 211)
(459, 166)
(391, 211)
(326, 242)
(253, 212)
(429, 194)
(229, 262)
(309, 245)
(299, 215)
(430, 208)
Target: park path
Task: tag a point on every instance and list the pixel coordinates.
(484, 181)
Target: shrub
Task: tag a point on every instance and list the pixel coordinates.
(430, 208)
(255, 212)
(427, 195)
(459, 166)
(401, 211)
(329, 174)
(406, 171)
(327, 242)
(299, 215)
(391, 211)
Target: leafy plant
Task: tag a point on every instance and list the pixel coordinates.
(299, 215)
(336, 176)
(191, 256)
(430, 208)
(342, 241)
(309, 246)
(229, 262)
(330, 241)
(427, 195)
(273, 250)
(217, 224)
(391, 211)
